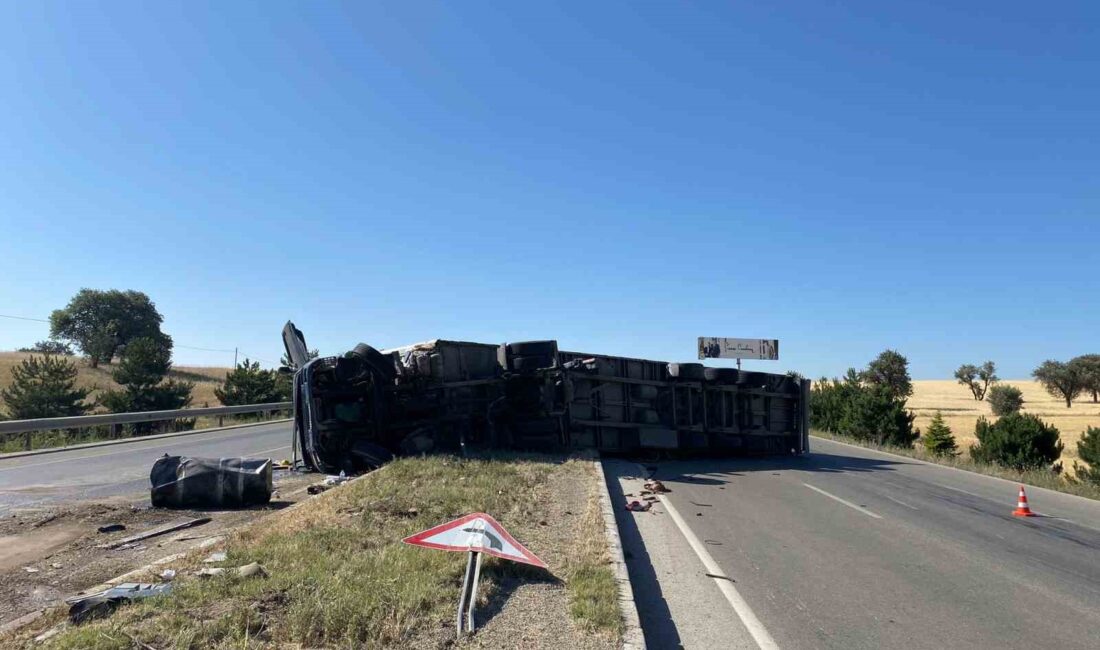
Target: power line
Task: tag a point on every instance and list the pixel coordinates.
(37, 320)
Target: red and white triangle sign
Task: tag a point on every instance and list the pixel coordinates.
(475, 532)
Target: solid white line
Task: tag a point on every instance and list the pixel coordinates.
(847, 503)
(740, 606)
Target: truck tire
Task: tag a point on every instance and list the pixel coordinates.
(375, 359)
(721, 375)
(686, 371)
(532, 363)
(533, 349)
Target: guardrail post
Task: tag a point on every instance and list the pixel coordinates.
(27, 441)
(221, 420)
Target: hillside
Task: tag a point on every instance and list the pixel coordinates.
(206, 379)
(961, 411)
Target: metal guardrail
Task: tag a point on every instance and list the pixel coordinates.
(12, 427)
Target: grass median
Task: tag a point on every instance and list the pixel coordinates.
(338, 575)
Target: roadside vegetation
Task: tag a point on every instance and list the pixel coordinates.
(339, 576)
(870, 408)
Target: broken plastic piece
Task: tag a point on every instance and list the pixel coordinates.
(105, 602)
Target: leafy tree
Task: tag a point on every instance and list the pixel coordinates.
(1089, 365)
(248, 384)
(1064, 380)
(1005, 399)
(1088, 448)
(1019, 441)
(890, 370)
(938, 440)
(977, 379)
(142, 373)
(44, 387)
(101, 322)
(50, 347)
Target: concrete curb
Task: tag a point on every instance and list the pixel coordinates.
(123, 441)
(633, 639)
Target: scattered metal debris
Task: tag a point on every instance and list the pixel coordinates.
(105, 602)
(153, 532)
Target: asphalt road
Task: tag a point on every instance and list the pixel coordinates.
(849, 548)
(113, 470)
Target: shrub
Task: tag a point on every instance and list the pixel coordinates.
(248, 384)
(50, 347)
(977, 379)
(864, 411)
(141, 373)
(938, 440)
(1088, 448)
(1005, 400)
(1019, 441)
(44, 387)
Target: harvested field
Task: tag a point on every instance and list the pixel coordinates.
(960, 410)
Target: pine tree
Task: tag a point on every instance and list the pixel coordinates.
(142, 374)
(939, 441)
(1088, 448)
(44, 387)
(248, 384)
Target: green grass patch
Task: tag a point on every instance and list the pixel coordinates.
(340, 577)
(1040, 478)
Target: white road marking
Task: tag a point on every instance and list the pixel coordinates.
(898, 501)
(129, 449)
(740, 606)
(844, 501)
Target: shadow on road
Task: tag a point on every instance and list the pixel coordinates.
(718, 471)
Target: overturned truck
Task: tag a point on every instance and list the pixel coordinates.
(356, 411)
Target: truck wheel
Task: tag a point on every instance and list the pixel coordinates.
(721, 375)
(533, 349)
(375, 359)
(686, 371)
(528, 364)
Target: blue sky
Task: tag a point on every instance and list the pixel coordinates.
(624, 177)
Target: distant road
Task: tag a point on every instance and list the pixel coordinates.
(114, 470)
(851, 548)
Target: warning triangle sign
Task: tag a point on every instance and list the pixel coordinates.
(475, 532)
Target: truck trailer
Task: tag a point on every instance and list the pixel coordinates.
(356, 411)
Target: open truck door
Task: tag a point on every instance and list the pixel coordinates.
(295, 343)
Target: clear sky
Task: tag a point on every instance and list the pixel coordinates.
(624, 177)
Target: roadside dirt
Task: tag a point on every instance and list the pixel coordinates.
(48, 554)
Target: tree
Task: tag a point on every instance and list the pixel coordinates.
(1088, 448)
(142, 373)
(873, 413)
(938, 440)
(248, 384)
(1064, 380)
(890, 370)
(1018, 441)
(977, 379)
(100, 322)
(50, 347)
(1005, 400)
(44, 387)
(1089, 365)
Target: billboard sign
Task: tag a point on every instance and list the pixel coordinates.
(714, 347)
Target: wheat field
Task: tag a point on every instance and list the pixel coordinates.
(961, 411)
(206, 379)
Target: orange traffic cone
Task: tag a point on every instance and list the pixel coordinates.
(1021, 506)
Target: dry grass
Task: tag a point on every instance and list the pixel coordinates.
(339, 577)
(961, 411)
(98, 379)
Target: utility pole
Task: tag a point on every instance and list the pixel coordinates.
(234, 357)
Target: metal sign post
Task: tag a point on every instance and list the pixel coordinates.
(468, 600)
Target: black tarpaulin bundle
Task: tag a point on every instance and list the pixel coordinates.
(182, 481)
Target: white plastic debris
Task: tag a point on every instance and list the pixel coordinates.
(167, 574)
(215, 557)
